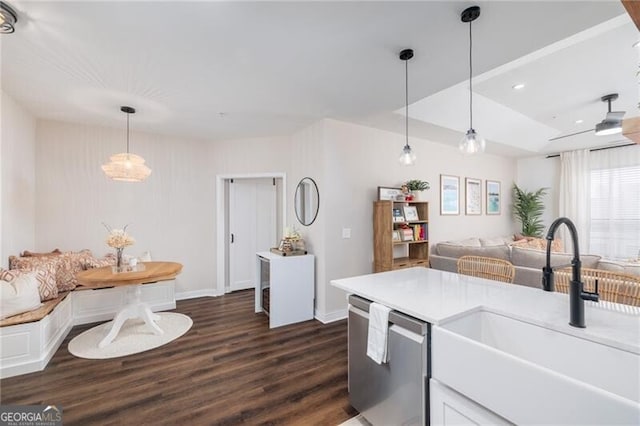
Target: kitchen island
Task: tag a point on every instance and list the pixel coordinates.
(502, 352)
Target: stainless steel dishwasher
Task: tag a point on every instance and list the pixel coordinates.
(397, 392)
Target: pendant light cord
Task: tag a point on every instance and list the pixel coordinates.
(128, 114)
(470, 74)
(406, 101)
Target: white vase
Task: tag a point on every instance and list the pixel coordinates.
(416, 195)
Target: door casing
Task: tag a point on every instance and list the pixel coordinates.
(221, 223)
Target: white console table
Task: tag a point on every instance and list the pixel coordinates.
(286, 285)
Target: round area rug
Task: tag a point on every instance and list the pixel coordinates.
(134, 337)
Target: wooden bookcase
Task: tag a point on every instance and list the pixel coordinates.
(389, 254)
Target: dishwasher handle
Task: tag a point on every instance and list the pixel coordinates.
(402, 320)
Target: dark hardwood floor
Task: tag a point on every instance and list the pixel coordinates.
(230, 368)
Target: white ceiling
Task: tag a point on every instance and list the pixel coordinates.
(275, 67)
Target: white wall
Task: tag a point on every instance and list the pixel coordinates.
(18, 179)
(541, 172)
(307, 160)
(172, 214)
(357, 160)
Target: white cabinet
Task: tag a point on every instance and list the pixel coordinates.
(448, 407)
(284, 287)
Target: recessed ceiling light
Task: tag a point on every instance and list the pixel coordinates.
(518, 86)
(636, 44)
(579, 121)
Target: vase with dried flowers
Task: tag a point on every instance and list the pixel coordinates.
(118, 239)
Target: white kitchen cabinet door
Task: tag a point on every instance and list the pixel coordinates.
(448, 407)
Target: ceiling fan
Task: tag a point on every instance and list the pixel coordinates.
(611, 124)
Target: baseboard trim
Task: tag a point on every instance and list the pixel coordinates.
(326, 318)
(183, 295)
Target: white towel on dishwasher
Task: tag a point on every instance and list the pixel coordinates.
(378, 332)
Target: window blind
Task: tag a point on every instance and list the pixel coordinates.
(615, 212)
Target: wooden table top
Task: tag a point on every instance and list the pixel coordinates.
(104, 277)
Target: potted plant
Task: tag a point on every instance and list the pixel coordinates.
(528, 208)
(415, 186)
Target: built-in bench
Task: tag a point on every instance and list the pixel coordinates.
(29, 340)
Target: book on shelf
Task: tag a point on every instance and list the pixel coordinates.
(419, 232)
(407, 234)
(397, 215)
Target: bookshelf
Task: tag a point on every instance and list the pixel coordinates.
(412, 248)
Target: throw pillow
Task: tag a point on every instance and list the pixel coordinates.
(70, 264)
(94, 262)
(539, 244)
(18, 296)
(28, 253)
(45, 275)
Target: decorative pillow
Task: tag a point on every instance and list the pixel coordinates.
(627, 268)
(18, 296)
(450, 250)
(45, 275)
(532, 258)
(66, 265)
(28, 253)
(539, 244)
(498, 241)
(94, 262)
(70, 264)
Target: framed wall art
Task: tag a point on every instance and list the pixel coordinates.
(386, 193)
(411, 213)
(494, 197)
(473, 195)
(449, 195)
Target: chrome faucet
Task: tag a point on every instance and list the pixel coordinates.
(577, 295)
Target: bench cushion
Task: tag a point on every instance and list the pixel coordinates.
(18, 296)
(35, 315)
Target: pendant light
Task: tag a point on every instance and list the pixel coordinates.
(8, 19)
(407, 157)
(127, 167)
(471, 143)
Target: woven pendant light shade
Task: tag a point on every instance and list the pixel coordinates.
(126, 167)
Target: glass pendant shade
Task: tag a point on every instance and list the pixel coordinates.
(472, 143)
(126, 167)
(407, 157)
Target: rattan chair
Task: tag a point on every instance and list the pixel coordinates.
(486, 267)
(612, 286)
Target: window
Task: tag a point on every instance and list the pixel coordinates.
(615, 212)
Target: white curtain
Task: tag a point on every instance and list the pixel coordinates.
(615, 202)
(575, 195)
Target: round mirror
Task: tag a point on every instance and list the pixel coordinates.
(307, 201)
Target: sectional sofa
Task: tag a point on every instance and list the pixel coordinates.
(528, 257)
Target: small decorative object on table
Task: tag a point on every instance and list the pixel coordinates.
(291, 244)
(119, 239)
(416, 186)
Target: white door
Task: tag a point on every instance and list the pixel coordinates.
(252, 227)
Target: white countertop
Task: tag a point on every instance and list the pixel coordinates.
(437, 296)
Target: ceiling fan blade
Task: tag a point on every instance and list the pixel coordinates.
(615, 115)
(570, 134)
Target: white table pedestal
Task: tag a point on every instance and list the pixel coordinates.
(134, 309)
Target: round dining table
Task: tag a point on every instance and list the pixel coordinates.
(142, 273)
